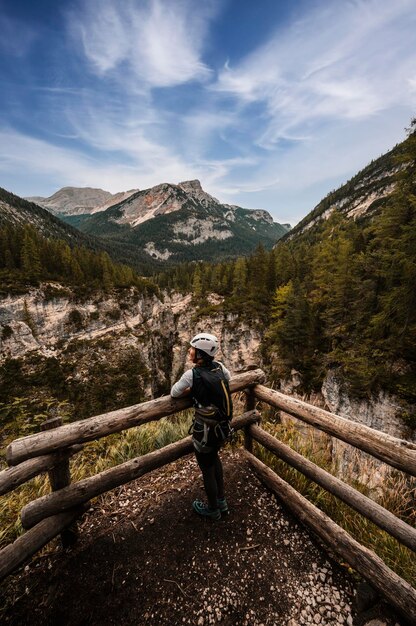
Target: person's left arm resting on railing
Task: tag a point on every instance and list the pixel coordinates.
(183, 386)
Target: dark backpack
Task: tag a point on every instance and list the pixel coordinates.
(210, 387)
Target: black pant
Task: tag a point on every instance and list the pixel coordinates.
(212, 474)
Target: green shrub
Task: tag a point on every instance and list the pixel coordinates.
(75, 319)
(113, 314)
(7, 332)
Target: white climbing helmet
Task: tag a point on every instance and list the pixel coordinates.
(205, 342)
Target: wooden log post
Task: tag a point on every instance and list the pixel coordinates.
(358, 501)
(364, 561)
(12, 477)
(82, 491)
(250, 406)
(60, 477)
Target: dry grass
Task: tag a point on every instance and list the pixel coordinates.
(397, 494)
(95, 457)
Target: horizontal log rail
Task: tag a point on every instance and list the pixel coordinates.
(49, 515)
(398, 453)
(25, 546)
(13, 477)
(371, 510)
(109, 423)
(364, 561)
(83, 490)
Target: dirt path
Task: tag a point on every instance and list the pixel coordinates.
(145, 558)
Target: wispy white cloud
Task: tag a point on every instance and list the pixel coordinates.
(158, 42)
(38, 157)
(149, 164)
(316, 101)
(289, 183)
(343, 60)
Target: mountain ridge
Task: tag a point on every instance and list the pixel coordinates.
(79, 200)
(171, 223)
(153, 228)
(361, 196)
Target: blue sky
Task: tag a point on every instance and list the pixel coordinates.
(270, 103)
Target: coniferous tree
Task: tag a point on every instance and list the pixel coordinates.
(30, 257)
(197, 283)
(239, 277)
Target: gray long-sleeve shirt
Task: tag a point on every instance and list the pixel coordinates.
(186, 381)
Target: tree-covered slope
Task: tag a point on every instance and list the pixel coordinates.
(362, 195)
(36, 246)
(340, 296)
(17, 211)
(28, 257)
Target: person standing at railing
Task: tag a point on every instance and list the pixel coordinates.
(207, 383)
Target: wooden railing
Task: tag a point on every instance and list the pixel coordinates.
(396, 452)
(55, 513)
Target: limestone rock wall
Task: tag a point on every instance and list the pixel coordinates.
(101, 332)
(49, 322)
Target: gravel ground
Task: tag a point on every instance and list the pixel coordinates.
(144, 557)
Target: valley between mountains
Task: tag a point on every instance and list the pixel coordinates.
(100, 294)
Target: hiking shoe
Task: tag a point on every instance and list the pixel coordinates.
(223, 505)
(204, 511)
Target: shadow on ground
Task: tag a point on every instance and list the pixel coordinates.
(144, 557)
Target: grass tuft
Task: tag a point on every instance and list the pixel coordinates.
(94, 458)
(397, 495)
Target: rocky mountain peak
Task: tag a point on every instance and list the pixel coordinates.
(149, 203)
(261, 214)
(194, 189)
(191, 185)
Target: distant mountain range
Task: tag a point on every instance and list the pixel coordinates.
(80, 200)
(165, 224)
(158, 227)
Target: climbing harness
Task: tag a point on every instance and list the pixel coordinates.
(204, 423)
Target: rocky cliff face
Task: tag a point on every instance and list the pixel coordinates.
(128, 347)
(381, 412)
(107, 352)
